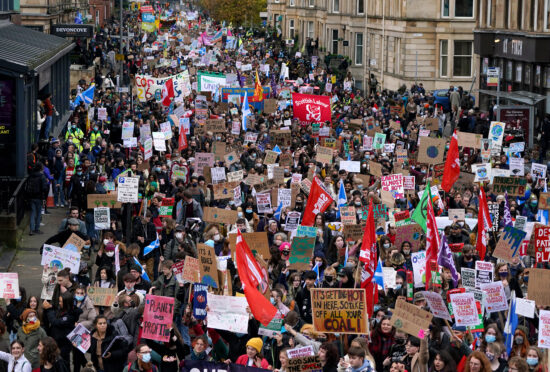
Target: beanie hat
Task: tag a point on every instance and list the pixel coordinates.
(26, 313)
(256, 343)
(110, 247)
(284, 246)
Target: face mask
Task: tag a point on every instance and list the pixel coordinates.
(105, 241)
(216, 237)
(31, 320)
(117, 150)
(194, 184)
(272, 300)
(328, 279)
(253, 156)
(86, 247)
(239, 214)
(398, 287)
(525, 279)
(79, 298)
(519, 340)
(406, 251)
(357, 204)
(490, 338)
(110, 254)
(131, 289)
(249, 211)
(74, 126)
(532, 361)
(146, 358)
(490, 356)
(503, 275)
(387, 245)
(79, 173)
(179, 235)
(158, 169)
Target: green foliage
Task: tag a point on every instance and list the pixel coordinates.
(237, 12)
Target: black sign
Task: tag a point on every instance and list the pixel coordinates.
(73, 30)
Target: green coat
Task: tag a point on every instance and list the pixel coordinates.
(31, 344)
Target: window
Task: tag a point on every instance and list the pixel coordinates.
(310, 30)
(335, 41)
(462, 61)
(360, 6)
(336, 6)
(519, 15)
(311, 3)
(546, 15)
(443, 57)
(292, 3)
(464, 8)
(489, 12)
(527, 79)
(537, 76)
(291, 28)
(509, 70)
(97, 17)
(358, 48)
(445, 8)
(519, 72)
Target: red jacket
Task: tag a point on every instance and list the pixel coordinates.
(243, 360)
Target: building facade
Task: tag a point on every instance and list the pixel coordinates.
(41, 14)
(399, 42)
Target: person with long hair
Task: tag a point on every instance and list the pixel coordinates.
(521, 343)
(30, 333)
(172, 351)
(492, 334)
(103, 337)
(382, 338)
(198, 350)
(16, 359)
(443, 362)
(492, 353)
(328, 355)
(477, 362)
(283, 359)
(33, 303)
(535, 360)
(50, 360)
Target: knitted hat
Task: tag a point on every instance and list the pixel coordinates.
(26, 313)
(110, 247)
(256, 343)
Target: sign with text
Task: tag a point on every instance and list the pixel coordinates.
(508, 245)
(102, 296)
(301, 253)
(339, 310)
(158, 317)
(411, 319)
(208, 265)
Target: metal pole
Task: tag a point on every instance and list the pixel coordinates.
(498, 96)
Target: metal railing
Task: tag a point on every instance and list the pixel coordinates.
(12, 197)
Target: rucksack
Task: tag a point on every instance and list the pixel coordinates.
(33, 187)
(122, 331)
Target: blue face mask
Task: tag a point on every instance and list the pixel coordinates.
(532, 361)
(249, 211)
(490, 338)
(146, 358)
(398, 287)
(79, 298)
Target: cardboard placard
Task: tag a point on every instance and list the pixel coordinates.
(411, 233)
(431, 123)
(375, 169)
(515, 186)
(270, 157)
(508, 245)
(158, 317)
(102, 296)
(324, 155)
(410, 319)
(472, 140)
(215, 126)
(431, 150)
(353, 232)
(270, 105)
(257, 241)
(301, 253)
(544, 200)
(218, 215)
(224, 190)
(103, 200)
(191, 270)
(74, 243)
(538, 288)
(208, 265)
(304, 364)
(459, 214)
(339, 310)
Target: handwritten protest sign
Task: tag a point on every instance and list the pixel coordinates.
(419, 268)
(158, 317)
(273, 328)
(468, 277)
(309, 231)
(542, 243)
(464, 309)
(219, 215)
(9, 285)
(411, 233)
(515, 186)
(228, 313)
(324, 155)
(208, 265)
(484, 273)
(508, 245)
(102, 296)
(437, 305)
(301, 253)
(394, 184)
(74, 243)
(102, 218)
(495, 299)
(348, 215)
(410, 319)
(431, 150)
(200, 297)
(61, 258)
(339, 310)
(472, 140)
(191, 270)
(304, 364)
(257, 241)
(300, 352)
(537, 288)
(353, 232)
(103, 200)
(80, 338)
(544, 329)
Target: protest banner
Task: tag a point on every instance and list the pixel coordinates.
(217, 174)
(437, 305)
(208, 265)
(257, 241)
(466, 139)
(127, 130)
(103, 200)
(157, 318)
(324, 155)
(215, 126)
(495, 297)
(464, 309)
(468, 277)
(542, 243)
(353, 232)
(515, 186)
(419, 268)
(410, 319)
(224, 190)
(9, 286)
(273, 328)
(202, 366)
(408, 182)
(263, 202)
(538, 286)
(102, 296)
(411, 233)
(61, 258)
(544, 329)
(348, 215)
(166, 207)
(191, 270)
(102, 218)
(389, 277)
(308, 231)
(159, 141)
(74, 243)
(80, 338)
(304, 364)
(200, 299)
(431, 150)
(147, 149)
(128, 189)
(339, 310)
(310, 108)
(292, 221)
(203, 159)
(228, 313)
(484, 273)
(350, 166)
(149, 87)
(300, 352)
(301, 253)
(219, 215)
(508, 245)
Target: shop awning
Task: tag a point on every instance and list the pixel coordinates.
(25, 50)
(522, 96)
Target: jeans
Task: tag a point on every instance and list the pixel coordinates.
(90, 226)
(58, 195)
(47, 127)
(36, 214)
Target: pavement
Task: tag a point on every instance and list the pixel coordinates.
(27, 256)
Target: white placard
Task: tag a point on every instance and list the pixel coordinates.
(351, 166)
(102, 218)
(128, 189)
(228, 313)
(159, 141)
(525, 307)
(60, 257)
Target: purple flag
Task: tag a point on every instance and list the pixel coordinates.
(445, 258)
(507, 219)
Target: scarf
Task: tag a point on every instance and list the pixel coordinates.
(29, 327)
(199, 356)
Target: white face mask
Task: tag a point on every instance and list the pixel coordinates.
(179, 235)
(216, 237)
(110, 254)
(105, 241)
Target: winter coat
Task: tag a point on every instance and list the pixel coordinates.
(31, 344)
(88, 313)
(118, 350)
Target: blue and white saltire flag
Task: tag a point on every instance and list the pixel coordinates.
(143, 272)
(277, 214)
(379, 274)
(316, 271)
(346, 255)
(151, 247)
(342, 199)
(277, 149)
(542, 214)
(78, 18)
(245, 109)
(511, 324)
(86, 96)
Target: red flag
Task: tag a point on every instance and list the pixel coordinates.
(483, 224)
(182, 145)
(167, 92)
(452, 165)
(432, 238)
(251, 276)
(368, 255)
(317, 202)
(310, 108)
(258, 90)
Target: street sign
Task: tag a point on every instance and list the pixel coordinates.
(493, 75)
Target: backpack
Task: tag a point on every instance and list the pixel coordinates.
(33, 188)
(122, 331)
